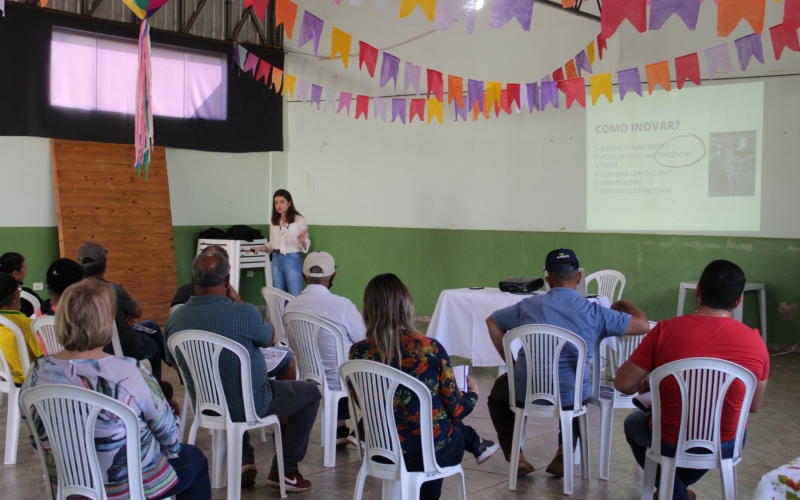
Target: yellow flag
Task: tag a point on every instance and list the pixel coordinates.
(590, 52)
(601, 85)
(435, 108)
(408, 6)
(494, 95)
(288, 84)
(340, 44)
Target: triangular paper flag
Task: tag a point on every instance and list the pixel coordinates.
(532, 89)
(367, 54)
(435, 109)
(311, 29)
(242, 56)
(658, 74)
(582, 63)
(601, 85)
(616, 11)
(428, 7)
(234, 59)
(783, 37)
(411, 77)
(277, 79)
(523, 99)
(791, 14)
(549, 91)
(288, 84)
(435, 85)
(718, 58)
(263, 72)
(558, 74)
(330, 100)
(493, 94)
(602, 43)
(590, 52)
(731, 12)
(505, 104)
(285, 13)
(417, 109)
(687, 10)
(629, 79)
(447, 13)
(575, 91)
(455, 90)
(460, 111)
(748, 47)
(316, 94)
(302, 90)
(687, 68)
(345, 98)
(475, 94)
(568, 3)
(513, 94)
(252, 64)
(362, 106)
(572, 72)
(259, 7)
(340, 44)
(504, 11)
(399, 109)
(390, 68)
(381, 104)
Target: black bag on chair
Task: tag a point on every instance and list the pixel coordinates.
(214, 233)
(246, 233)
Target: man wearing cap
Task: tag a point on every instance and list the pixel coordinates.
(143, 341)
(563, 307)
(319, 271)
(9, 310)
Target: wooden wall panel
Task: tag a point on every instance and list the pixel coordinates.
(100, 198)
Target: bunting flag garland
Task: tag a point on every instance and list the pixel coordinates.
(494, 95)
(417, 109)
(455, 90)
(435, 85)
(514, 95)
(590, 52)
(549, 92)
(285, 14)
(575, 90)
(718, 58)
(558, 74)
(381, 104)
(242, 59)
(345, 98)
(783, 36)
(572, 71)
(251, 64)
(411, 77)
(791, 14)
(288, 84)
(475, 94)
(311, 29)
(532, 92)
(582, 62)
(390, 68)
(505, 104)
(428, 7)
(731, 12)
(367, 54)
(602, 43)
(277, 79)
(687, 68)
(235, 58)
(748, 47)
(616, 11)
(302, 90)
(263, 71)
(661, 10)
(504, 11)
(658, 74)
(399, 109)
(523, 99)
(435, 109)
(330, 100)
(448, 12)
(362, 106)
(629, 79)
(259, 7)
(460, 110)
(316, 94)
(601, 85)
(340, 45)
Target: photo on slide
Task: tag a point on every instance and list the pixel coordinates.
(732, 163)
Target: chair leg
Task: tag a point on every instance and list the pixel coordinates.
(566, 436)
(329, 425)
(276, 436)
(649, 485)
(576, 458)
(263, 434)
(462, 486)
(234, 462)
(728, 473)
(184, 414)
(667, 484)
(393, 490)
(12, 427)
(219, 453)
(583, 425)
(193, 432)
(606, 430)
(358, 492)
(516, 442)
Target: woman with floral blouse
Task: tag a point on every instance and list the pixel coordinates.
(389, 317)
(84, 324)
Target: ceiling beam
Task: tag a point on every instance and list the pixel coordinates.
(575, 10)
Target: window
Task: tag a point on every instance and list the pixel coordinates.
(93, 72)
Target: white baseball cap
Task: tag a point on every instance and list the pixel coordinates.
(323, 260)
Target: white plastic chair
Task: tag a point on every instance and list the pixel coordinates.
(201, 351)
(542, 345)
(276, 301)
(374, 385)
(7, 386)
(581, 289)
(174, 308)
(303, 334)
(185, 407)
(69, 414)
(703, 383)
(45, 329)
(32, 299)
(607, 283)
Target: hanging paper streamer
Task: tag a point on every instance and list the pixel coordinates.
(259, 7)
(330, 100)
(277, 79)
(302, 90)
(285, 14)
(572, 71)
(427, 6)
(731, 12)
(288, 84)
(460, 110)
(381, 104)
(435, 109)
(475, 94)
(687, 10)
(748, 47)
(455, 90)
(340, 44)
(316, 94)
(532, 89)
(575, 91)
(448, 11)
(687, 68)
(601, 85)
(362, 106)
(367, 54)
(783, 37)
(658, 74)
(493, 95)
(629, 79)
(590, 52)
(504, 11)
(582, 63)
(263, 71)
(435, 85)
(602, 43)
(143, 119)
(411, 77)
(399, 109)
(417, 109)
(549, 91)
(718, 58)
(311, 29)
(390, 67)
(345, 98)
(616, 11)
(513, 94)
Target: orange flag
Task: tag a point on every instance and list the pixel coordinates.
(285, 13)
(572, 71)
(288, 84)
(730, 12)
(340, 44)
(567, 3)
(427, 6)
(435, 108)
(277, 78)
(658, 74)
(455, 90)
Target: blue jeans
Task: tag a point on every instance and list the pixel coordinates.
(191, 466)
(449, 455)
(640, 436)
(287, 272)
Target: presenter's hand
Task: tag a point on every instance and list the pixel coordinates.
(472, 385)
(303, 236)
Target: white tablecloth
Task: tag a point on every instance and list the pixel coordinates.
(781, 483)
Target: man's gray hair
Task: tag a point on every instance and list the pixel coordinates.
(212, 276)
(563, 276)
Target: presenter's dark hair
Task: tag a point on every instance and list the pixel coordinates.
(721, 285)
(291, 212)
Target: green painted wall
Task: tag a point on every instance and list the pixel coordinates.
(39, 245)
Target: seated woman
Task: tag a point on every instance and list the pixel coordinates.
(84, 323)
(61, 274)
(15, 265)
(389, 317)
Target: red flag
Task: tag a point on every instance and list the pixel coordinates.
(731, 12)
(505, 102)
(259, 7)
(784, 37)
(263, 71)
(285, 13)
(687, 68)
(455, 90)
(367, 54)
(558, 74)
(791, 14)
(602, 43)
(417, 109)
(616, 11)
(362, 106)
(435, 84)
(575, 89)
(513, 94)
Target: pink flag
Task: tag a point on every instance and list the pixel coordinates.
(345, 98)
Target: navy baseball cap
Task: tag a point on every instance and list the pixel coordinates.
(562, 259)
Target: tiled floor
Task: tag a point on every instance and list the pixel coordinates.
(773, 439)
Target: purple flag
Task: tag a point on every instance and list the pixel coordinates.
(549, 94)
(316, 94)
(718, 58)
(582, 63)
(533, 96)
(547, 78)
(235, 59)
(661, 10)
(629, 79)
(447, 12)
(399, 109)
(411, 77)
(310, 30)
(330, 100)
(748, 47)
(381, 103)
(302, 90)
(345, 98)
(460, 110)
(242, 56)
(505, 10)
(475, 94)
(390, 68)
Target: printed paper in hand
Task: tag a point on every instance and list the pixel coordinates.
(273, 357)
(461, 372)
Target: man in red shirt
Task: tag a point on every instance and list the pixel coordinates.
(710, 332)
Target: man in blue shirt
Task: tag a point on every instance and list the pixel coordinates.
(563, 307)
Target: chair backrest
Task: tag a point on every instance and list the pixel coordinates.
(608, 359)
(45, 329)
(174, 308)
(30, 298)
(22, 347)
(276, 300)
(303, 331)
(116, 345)
(581, 289)
(703, 383)
(542, 345)
(69, 415)
(607, 283)
(374, 385)
(201, 351)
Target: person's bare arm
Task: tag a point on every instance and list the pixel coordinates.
(629, 378)
(758, 397)
(639, 324)
(496, 334)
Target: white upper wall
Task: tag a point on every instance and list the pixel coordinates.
(25, 167)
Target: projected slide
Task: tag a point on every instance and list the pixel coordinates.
(682, 160)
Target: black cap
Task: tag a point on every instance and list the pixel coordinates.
(8, 285)
(562, 259)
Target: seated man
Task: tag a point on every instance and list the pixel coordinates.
(142, 340)
(185, 292)
(563, 307)
(9, 309)
(710, 332)
(212, 310)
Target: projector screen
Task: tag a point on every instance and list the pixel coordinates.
(683, 160)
